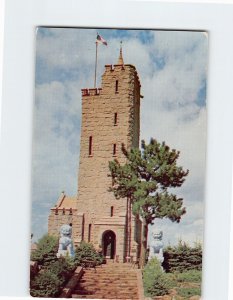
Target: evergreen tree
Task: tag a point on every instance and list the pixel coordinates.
(155, 281)
(86, 251)
(54, 272)
(46, 251)
(146, 179)
(182, 257)
(45, 284)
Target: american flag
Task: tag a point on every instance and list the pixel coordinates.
(99, 39)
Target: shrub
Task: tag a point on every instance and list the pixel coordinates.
(188, 292)
(156, 282)
(46, 250)
(86, 251)
(61, 268)
(45, 284)
(182, 257)
(54, 271)
(52, 277)
(189, 276)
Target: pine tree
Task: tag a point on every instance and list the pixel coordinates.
(182, 257)
(146, 179)
(46, 251)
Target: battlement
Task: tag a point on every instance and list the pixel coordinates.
(91, 92)
(120, 67)
(112, 68)
(63, 211)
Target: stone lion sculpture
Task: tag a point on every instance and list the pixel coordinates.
(65, 242)
(156, 246)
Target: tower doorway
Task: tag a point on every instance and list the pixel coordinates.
(109, 244)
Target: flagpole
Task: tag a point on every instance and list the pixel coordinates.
(96, 43)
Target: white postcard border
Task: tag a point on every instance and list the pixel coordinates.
(21, 19)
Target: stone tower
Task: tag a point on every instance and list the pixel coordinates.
(110, 117)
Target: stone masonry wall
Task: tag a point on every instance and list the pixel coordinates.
(60, 217)
(110, 115)
(98, 117)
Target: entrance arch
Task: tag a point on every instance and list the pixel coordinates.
(109, 244)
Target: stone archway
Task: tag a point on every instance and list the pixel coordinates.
(109, 244)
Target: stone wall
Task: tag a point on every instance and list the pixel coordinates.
(110, 115)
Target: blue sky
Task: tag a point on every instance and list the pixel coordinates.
(172, 68)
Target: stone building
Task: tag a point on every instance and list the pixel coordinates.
(110, 117)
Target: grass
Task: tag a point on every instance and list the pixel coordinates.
(188, 292)
(189, 276)
(186, 284)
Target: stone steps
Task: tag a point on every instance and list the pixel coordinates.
(105, 281)
(112, 278)
(125, 276)
(103, 287)
(109, 297)
(132, 296)
(110, 281)
(104, 292)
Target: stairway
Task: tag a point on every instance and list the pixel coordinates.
(110, 281)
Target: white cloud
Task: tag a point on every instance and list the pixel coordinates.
(55, 147)
(66, 48)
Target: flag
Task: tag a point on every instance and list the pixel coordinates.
(99, 39)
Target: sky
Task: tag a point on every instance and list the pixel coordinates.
(172, 67)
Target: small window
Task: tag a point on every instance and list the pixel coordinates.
(114, 149)
(116, 86)
(90, 145)
(89, 233)
(115, 119)
(111, 213)
(83, 227)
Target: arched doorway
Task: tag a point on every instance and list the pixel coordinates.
(109, 244)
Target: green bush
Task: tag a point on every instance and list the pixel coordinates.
(189, 276)
(182, 258)
(45, 284)
(46, 251)
(188, 292)
(61, 268)
(156, 282)
(86, 251)
(52, 277)
(54, 271)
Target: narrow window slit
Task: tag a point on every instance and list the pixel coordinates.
(116, 86)
(89, 233)
(115, 119)
(114, 149)
(90, 145)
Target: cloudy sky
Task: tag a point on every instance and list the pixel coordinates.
(172, 68)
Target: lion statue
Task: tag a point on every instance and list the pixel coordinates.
(156, 246)
(65, 242)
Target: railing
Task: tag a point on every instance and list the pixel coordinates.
(72, 283)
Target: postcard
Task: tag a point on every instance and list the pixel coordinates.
(118, 167)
